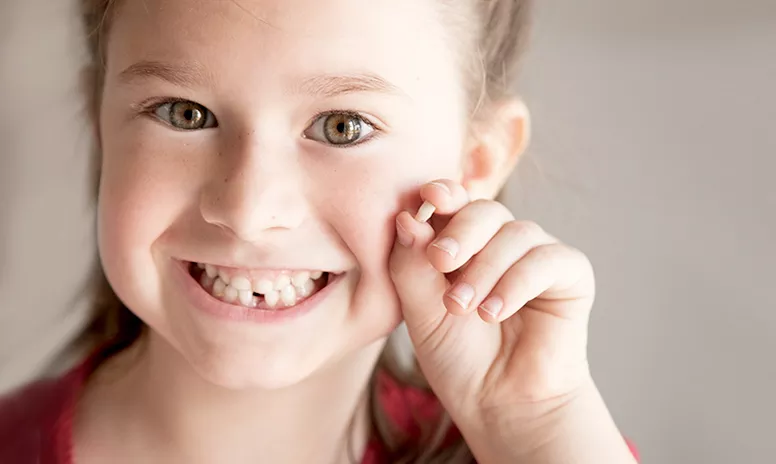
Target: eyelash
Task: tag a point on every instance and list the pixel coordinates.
(149, 107)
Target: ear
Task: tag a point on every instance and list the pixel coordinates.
(495, 146)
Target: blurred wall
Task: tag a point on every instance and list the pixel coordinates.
(654, 147)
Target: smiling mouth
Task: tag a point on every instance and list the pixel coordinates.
(267, 290)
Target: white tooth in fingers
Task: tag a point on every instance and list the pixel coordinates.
(300, 278)
(200, 265)
(231, 294)
(206, 281)
(211, 271)
(245, 296)
(282, 281)
(288, 295)
(263, 286)
(271, 298)
(219, 286)
(241, 283)
(306, 289)
(224, 277)
(315, 275)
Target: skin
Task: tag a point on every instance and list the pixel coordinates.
(258, 191)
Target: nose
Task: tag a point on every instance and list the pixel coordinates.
(255, 190)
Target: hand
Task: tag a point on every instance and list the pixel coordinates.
(497, 310)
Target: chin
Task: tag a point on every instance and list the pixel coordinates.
(245, 369)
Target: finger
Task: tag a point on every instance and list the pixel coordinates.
(512, 242)
(467, 233)
(446, 196)
(418, 284)
(552, 273)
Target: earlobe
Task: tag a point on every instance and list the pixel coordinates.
(497, 142)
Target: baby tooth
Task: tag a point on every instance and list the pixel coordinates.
(282, 281)
(211, 271)
(288, 294)
(241, 283)
(425, 212)
(219, 286)
(316, 275)
(231, 294)
(200, 265)
(263, 286)
(306, 289)
(271, 298)
(224, 277)
(245, 296)
(300, 278)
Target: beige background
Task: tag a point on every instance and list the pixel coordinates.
(655, 147)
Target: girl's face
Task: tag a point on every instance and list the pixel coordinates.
(313, 125)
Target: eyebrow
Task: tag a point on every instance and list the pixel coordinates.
(184, 75)
(321, 86)
(332, 85)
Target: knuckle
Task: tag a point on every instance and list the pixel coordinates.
(523, 230)
(480, 270)
(492, 207)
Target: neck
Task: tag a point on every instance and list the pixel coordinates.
(157, 402)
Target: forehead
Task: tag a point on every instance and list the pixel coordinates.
(404, 41)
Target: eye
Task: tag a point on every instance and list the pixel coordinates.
(185, 115)
(340, 129)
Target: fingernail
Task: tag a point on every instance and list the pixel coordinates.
(442, 186)
(405, 238)
(492, 305)
(448, 245)
(462, 293)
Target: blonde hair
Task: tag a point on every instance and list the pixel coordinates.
(493, 34)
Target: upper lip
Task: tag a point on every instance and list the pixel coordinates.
(271, 267)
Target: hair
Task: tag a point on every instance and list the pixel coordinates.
(493, 35)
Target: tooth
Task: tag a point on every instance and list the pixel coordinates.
(200, 265)
(300, 278)
(245, 296)
(205, 280)
(211, 271)
(241, 283)
(254, 301)
(282, 281)
(231, 294)
(219, 286)
(224, 277)
(263, 286)
(315, 275)
(288, 294)
(271, 298)
(306, 289)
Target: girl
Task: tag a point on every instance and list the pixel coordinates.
(267, 173)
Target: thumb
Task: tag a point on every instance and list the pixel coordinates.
(419, 285)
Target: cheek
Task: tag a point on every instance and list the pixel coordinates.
(366, 193)
(142, 189)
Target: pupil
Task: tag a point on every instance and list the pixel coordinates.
(341, 127)
(189, 114)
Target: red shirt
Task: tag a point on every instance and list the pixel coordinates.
(36, 423)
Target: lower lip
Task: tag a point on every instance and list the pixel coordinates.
(206, 302)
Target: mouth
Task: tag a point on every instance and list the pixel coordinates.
(277, 290)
